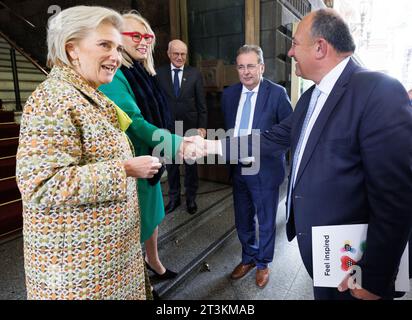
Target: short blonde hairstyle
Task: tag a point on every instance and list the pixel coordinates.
(74, 24)
(149, 62)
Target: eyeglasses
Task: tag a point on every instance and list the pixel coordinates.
(138, 37)
(177, 54)
(249, 67)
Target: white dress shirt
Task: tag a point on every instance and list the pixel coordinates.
(325, 86)
(172, 67)
(240, 109)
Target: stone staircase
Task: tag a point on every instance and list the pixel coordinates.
(10, 198)
(187, 241)
(28, 78)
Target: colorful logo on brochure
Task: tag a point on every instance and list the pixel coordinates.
(346, 261)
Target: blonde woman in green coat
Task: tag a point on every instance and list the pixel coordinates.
(134, 89)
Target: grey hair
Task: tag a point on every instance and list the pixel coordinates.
(247, 48)
(149, 62)
(170, 45)
(74, 24)
(330, 26)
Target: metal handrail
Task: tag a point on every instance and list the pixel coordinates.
(24, 54)
(15, 78)
(17, 15)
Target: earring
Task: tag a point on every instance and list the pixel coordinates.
(76, 62)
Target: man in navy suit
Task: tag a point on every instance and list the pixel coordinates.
(351, 142)
(255, 103)
(183, 88)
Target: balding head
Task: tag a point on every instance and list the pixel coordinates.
(176, 44)
(321, 41)
(177, 52)
(328, 24)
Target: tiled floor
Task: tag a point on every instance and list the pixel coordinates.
(288, 278)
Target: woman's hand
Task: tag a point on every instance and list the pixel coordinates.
(142, 167)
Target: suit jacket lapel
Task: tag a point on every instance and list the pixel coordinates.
(185, 78)
(260, 103)
(330, 104)
(233, 106)
(169, 80)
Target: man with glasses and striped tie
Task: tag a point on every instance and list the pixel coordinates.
(255, 103)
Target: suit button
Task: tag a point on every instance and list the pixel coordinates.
(298, 197)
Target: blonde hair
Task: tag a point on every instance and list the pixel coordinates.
(74, 24)
(149, 62)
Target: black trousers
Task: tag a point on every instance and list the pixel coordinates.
(191, 181)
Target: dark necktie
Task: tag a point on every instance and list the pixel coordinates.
(176, 84)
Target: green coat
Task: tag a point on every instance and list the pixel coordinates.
(140, 133)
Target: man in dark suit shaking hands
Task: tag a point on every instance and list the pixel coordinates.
(183, 88)
(255, 103)
(350, 138)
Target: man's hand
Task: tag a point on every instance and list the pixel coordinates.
(142, 167)
(192, 148)
(201, 132)
(358, 292)
(203, 147)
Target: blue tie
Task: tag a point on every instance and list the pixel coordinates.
(315, 95)
(176, 82)
(247, 107)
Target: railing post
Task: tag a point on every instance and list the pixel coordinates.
(15, 79)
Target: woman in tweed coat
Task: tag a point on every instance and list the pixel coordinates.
(76, 171)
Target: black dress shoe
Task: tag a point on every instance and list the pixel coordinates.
(168, 274)
(171, 206)
(191, 207)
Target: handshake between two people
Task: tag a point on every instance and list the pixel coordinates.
(192, 148)
(195, 147)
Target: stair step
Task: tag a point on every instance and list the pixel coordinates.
(32, 70)
(8, 146)
(5, 47)
(9, 130)
(6, 116)
(20, 64)
(9, 190)
(10, 105)
(6, 95)
(179, 218)
(11, 217)
(191, 243)
(5, 55)
(34, 77)
(7, 167)
(23, 85)
(17, 116)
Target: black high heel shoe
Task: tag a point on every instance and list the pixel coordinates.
(168, 274)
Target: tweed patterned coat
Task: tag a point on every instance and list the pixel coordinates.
(80, 211)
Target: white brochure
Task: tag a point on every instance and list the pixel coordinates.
(337, 248)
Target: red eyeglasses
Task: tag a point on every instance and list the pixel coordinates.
(137, 36)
